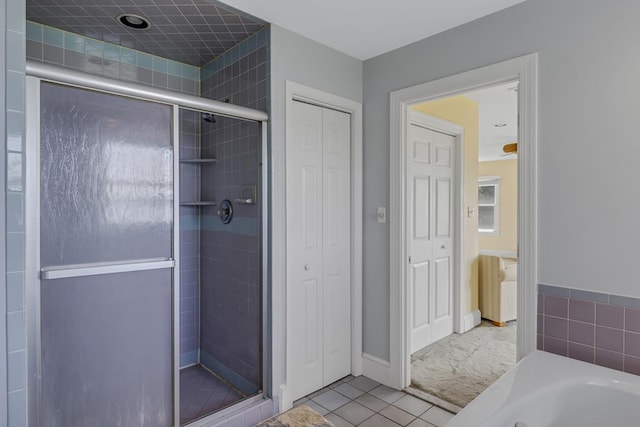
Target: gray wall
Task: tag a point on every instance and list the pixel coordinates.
(14, 142)
(588, 139)
(303, 61)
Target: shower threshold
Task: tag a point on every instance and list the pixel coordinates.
(202, 393)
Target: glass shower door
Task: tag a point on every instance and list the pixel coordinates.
(106, 258)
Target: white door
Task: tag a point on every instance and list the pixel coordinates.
(318, 248)
(430, 163)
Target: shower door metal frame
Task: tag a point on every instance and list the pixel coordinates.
(38, 73)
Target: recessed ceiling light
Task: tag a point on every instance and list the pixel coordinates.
(133, 21)
(500, 125)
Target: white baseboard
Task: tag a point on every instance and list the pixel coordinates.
(471, 320)
(377, 369)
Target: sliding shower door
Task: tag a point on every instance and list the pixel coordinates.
(106, 258)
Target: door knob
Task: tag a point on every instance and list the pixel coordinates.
(306, 267)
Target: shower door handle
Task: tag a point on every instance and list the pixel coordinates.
(94, 269)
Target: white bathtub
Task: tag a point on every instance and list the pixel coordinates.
(545, 390)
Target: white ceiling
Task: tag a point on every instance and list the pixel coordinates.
(498, 104)
(368, 28)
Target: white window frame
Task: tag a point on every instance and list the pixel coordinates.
(487, 181)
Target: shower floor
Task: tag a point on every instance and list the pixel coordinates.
(202, 393)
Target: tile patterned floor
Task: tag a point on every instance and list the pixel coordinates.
(202, 393)
(360, 401)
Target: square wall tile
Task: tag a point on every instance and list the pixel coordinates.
(17, 370)
(556, 306)
(584, 311)
(16, 331)
(632, 320)
(610, 315)
(16, 405)
(609, 339)
(585, 353)
(555, 327)
(580, 332)
(632, 344)
(609, 359)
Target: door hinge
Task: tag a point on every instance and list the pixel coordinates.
(409, 260)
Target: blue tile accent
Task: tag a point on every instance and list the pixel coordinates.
(16, 324)
(174, 68)
(15, 130)
(17, 404)
(244, 226)
(74, 42)
(15, 291)
(15, 91)
(145, 60)
(598, 297)
(554, 290)
(159, 64)
(15, 13)
(110, 51)
(589, 296)
(628, 302)
(188, 358)
(15, 256)
(128, 56)
(52, 36)
(93, 47)
(15, 212)
(16, 362)
(34, 31)
(228, 374)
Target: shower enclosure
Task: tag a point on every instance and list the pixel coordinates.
(145, 290)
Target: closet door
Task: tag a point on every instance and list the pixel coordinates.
(318, 248)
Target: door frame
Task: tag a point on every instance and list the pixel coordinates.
(299, 92)
(524, 70)
(457, 216)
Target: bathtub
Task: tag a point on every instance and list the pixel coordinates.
(545, 390)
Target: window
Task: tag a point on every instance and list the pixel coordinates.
(488, 197)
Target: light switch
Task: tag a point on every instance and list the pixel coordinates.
(382, 214)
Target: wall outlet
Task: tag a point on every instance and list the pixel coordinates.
(382, 215)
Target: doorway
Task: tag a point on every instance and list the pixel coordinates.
(524, 71)
(454, 369)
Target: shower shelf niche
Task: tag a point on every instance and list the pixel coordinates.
(199, 161)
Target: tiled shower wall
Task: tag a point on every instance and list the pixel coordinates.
(590, 326)
(15, 237)
(230, 340)
(190, 125)
(69, 50)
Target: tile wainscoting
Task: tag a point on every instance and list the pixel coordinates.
(590, 326)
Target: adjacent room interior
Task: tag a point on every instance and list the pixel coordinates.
(447, 368)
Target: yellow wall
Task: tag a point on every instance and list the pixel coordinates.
(507, 237)
(464, 112)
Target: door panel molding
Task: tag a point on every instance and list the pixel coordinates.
(280, 327)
